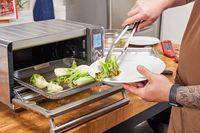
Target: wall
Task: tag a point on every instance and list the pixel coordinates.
(26, 14)
(174, 22)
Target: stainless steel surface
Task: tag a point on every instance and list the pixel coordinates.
(111, 14)
(26, 35)
(135, 51)
(90, 116)
(26, 95)
(116, 41)
(51, 114)
(23, 77)
(87, 11)
(5, 96)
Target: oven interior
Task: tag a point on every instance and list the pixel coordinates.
(40, 54)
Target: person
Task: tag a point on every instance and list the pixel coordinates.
(185, 94)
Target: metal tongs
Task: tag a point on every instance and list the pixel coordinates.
(127, 28)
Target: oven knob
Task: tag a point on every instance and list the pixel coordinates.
(100, 53)
(95, 55)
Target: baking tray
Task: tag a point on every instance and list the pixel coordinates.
(47, 70)
(135, 51)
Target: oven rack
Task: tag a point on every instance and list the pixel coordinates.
(30, 104)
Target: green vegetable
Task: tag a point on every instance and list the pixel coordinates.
(113, 66)
(60, 79)
(54, 87)
(74, 64)
(61, 71)
(78, 72)
(109, 68)
(73, 76)
(81, 81)
(65, 71)
(38, 81)
(78, 76)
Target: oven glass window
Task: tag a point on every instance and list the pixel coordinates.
(97, 40)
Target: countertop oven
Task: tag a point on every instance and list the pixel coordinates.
(39, 47)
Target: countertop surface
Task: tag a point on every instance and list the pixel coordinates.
(30, 122)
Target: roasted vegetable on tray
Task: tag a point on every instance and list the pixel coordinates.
(65, 71)
(39, 81)
(78, 76)
(109, 68)
(54, 87)
(72, 77)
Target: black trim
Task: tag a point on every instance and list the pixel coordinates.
(11, 70)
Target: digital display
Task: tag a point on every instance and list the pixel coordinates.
(97, 40)
(168, 46)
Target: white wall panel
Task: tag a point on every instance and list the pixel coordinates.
(174, 22)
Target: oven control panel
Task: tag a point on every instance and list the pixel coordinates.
(97, 44)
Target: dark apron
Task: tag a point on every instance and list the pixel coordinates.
(187, 120)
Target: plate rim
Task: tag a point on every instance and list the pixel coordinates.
(149, 44)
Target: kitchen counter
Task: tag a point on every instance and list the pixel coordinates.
(133, 113)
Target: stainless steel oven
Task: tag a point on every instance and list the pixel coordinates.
(39, 47)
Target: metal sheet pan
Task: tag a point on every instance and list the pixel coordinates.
(47, 70)
(135, 51)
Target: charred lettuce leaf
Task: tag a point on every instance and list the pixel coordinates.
(38, 81)
(109, 68)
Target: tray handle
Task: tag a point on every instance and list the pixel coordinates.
(41, 66)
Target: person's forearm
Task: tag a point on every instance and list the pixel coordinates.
(189, 96)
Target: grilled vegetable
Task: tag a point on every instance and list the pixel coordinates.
(79, 76)
(61, 71)
(54, 87)
(81, 81)
(73, 76)
(60, 79)
(113, 66)
(109, 68)
(78, 72)
(65, 71)
(38, 81)
(74, 64)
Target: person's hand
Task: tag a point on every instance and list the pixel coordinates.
(156, 89)
(145, 11)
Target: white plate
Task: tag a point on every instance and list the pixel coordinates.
(128, 65)
(144, 40)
